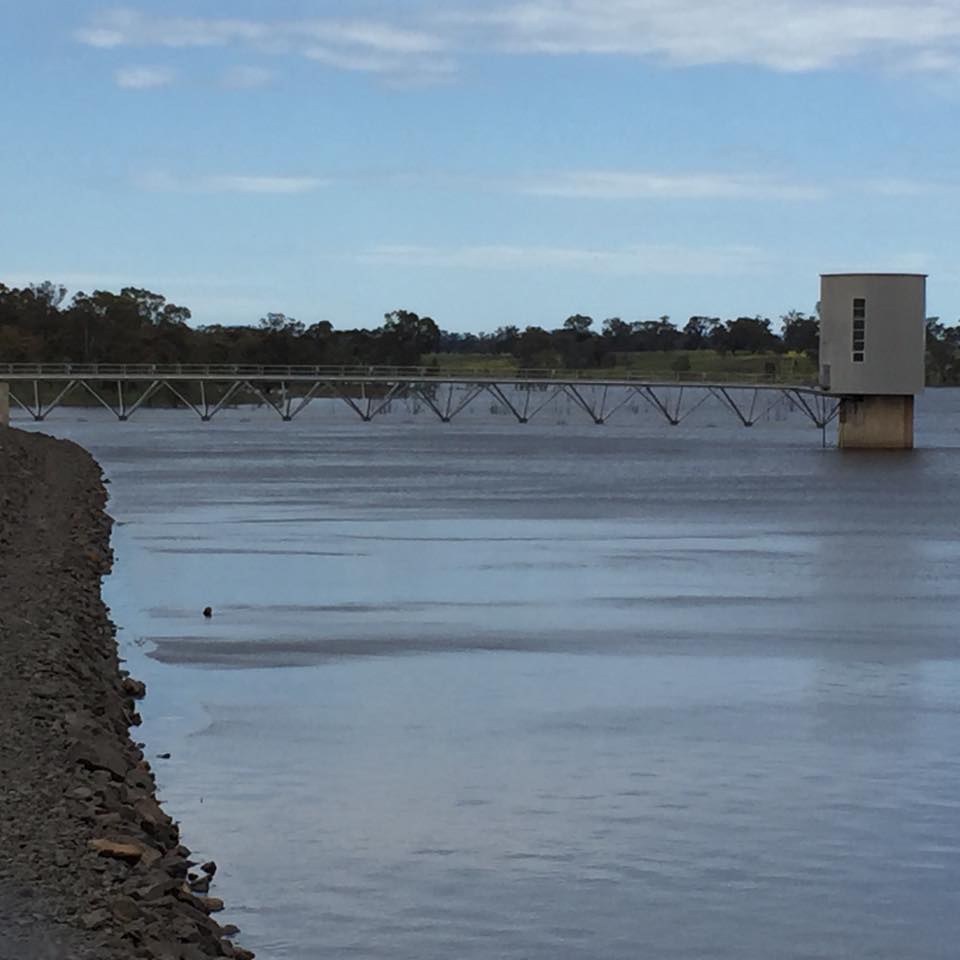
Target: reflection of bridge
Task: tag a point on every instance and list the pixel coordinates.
(39, 389)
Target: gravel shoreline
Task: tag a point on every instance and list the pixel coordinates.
(91, 868)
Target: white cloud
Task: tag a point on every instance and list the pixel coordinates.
(144, 78)
(374, 35)
(637, 260)
(787, 35)
(378, 46)
(909, 187)
(586, 185)
(246, 78)
(241, 184)
(228, 183)
(647, 185)
(129, 28)
(425, 39)
(396, 67)
(102, 37)
(900, 187)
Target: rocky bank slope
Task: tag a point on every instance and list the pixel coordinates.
(91, 868)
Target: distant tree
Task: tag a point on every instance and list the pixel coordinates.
(750, 335)
(617, 337)
(801, 334)
(696, 332)
(51, 294)
(656, 335)
(942, 344)
(616, 329)
(281, 323)
(152, 309)
(578, 323)
(576, 344)
(321, 331)
(505, 339)
(405, 336)
(535, 348)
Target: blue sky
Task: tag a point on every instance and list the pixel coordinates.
(514, 161)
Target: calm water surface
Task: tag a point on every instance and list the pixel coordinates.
(554, 691)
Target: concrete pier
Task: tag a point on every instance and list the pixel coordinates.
(876, 423)
(4, 404)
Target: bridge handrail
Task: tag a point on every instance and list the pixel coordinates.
(107, 371)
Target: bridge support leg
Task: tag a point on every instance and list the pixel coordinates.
(876, 423)
(4, 404)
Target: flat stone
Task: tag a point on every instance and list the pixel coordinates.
(100, 756)
(134, 688)
(127, 850)
(125, 909)
(94, 920)
(200, 885)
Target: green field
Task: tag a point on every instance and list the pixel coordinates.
(657, 365)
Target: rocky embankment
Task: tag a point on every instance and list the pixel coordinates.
(91, 868)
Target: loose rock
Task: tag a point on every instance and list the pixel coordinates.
(91, 867)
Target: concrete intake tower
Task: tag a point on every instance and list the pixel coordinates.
(872, 346)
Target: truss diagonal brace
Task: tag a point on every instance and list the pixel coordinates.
(747, 419)
(385, 402)
(651, 398)
(142, 399)
(574, 394)
(306, 398)
(266, 399)
(96, 396)
(40, 414)
(351, 403)
(23, 406)
(188, 403)
(222, 402)
(819, 417)
(497, 393)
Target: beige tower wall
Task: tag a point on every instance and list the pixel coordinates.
(892, 327)
(876, 423)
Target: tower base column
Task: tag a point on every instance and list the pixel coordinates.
(876, 423)
(4, 404)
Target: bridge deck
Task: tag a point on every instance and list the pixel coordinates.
(224, 373)
(38, 389)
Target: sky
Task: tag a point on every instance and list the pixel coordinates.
(486, 163)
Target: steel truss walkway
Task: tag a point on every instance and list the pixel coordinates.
(369, 391)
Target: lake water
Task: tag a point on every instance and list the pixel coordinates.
(484, 690)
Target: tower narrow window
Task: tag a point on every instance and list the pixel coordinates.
(859, 328)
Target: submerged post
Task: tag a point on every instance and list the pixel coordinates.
(4, 404)
(872, 344)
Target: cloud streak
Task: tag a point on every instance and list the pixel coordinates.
(636, 260)
(246, 78)
(622, 186)
(649, 185)
(374, 46)
(228, 183)
(783, 35)
(424, 40)
(144, 78)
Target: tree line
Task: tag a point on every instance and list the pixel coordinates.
(39, 324)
